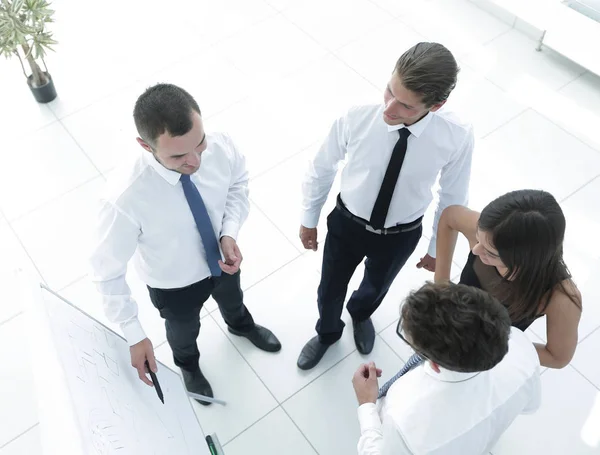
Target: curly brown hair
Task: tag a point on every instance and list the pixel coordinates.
(459, 327)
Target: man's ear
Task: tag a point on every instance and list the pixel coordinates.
(435, 107)
(144, 145)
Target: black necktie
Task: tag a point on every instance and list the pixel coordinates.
(382, 204)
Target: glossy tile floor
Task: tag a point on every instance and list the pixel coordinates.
(275, 74)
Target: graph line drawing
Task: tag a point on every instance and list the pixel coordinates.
(117, 413)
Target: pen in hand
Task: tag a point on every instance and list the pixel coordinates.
(155, 382)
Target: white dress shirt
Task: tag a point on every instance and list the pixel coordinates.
(145, 215)
(440, 142)
(449, 413)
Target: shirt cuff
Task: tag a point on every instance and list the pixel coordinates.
(368, 418)
(310, 220)
(133, 331)
(230, 229)
(432, 245)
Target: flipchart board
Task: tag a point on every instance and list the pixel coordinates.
(91, 400)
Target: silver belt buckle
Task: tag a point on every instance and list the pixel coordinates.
(369, 228)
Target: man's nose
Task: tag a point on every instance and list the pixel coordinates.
(193, 160)
(390, 106)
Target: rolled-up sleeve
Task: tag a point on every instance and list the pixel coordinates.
(237, 205)
(114, 243)
(321, 172)
(454, 183)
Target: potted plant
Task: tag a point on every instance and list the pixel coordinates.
(23, 34)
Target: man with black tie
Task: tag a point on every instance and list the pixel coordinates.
(177, 209)
(394, 154)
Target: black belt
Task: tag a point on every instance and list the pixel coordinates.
(385, 231)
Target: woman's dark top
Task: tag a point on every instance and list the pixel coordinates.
(486, 277)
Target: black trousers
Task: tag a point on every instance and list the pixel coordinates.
(346, 245)
(180, 308)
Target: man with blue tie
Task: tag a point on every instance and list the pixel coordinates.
(177, 210)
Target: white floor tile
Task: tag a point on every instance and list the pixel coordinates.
(39, 167)
(574, 108)
(267, 140)
(567, 421)
(17, 394)
(286, 303)
(263, 247)
(469, 29)
(156, 38)
(20, 113)
(61, 249)
(512, 63)
(336, 22)
(482, 103)
(403, 350)
(11, 296)
(336, 431)
(28, 444)
(219, 20)
(209, 77)
(12, 258)
(582, 250)
(317, 95)
(401, 8)
(530, 152)
(374, 55)
(585, 360)
(269, 50)
(105, 130)
(232, 380)
(278, 193)
(273, 435)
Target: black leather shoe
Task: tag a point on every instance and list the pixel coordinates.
(364, 336)
(312, 353)
(195, 382)
(260, 337)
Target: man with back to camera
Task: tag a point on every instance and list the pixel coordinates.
(179, 207)
(394, 153)
(478, 375)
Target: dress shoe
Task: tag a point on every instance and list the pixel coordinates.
(195, 382)
(364, 336)
(312, 353)
(260, 337)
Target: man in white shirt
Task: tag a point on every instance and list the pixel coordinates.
(394, 154)
(177, 209)
(477, 376)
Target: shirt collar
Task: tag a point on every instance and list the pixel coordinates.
(448, 376)
(416, 129)
(170, 176)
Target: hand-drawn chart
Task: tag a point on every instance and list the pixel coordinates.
(117, 413)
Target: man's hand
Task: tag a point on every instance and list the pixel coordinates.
(365, 383)
(308, 236)
(233, 256)
(427, 263)
(140, 352)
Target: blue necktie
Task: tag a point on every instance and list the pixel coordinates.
(209, 239)
(414, 360)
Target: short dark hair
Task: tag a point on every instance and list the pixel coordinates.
(164, 107)
(460, 327)
(429, 70)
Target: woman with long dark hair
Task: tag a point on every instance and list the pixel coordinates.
(517, 256)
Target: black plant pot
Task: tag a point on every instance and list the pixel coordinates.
(44, 93)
